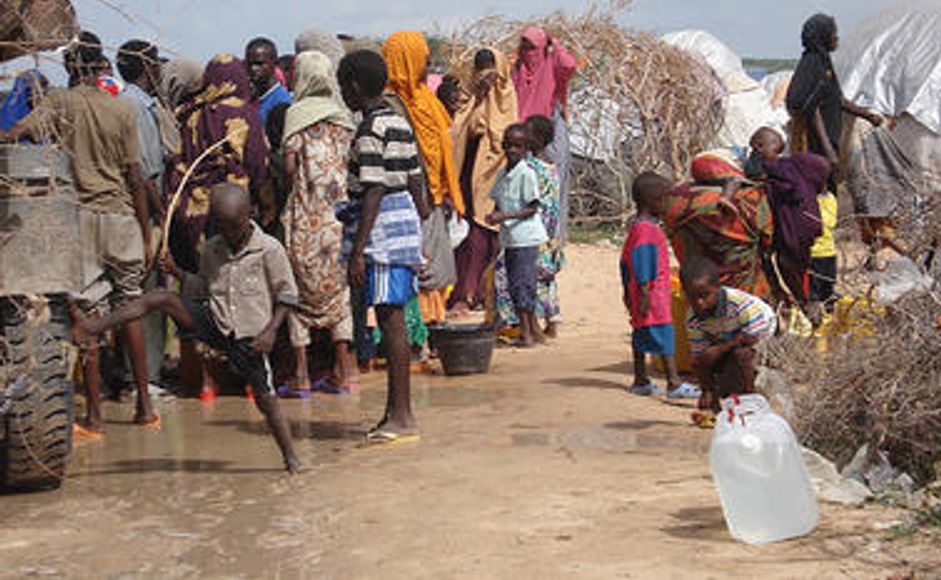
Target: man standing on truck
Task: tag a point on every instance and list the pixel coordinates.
(99, 133)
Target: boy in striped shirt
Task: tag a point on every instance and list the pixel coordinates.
(725, 325)
(384, 221)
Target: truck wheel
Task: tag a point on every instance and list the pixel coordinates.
(38, 423)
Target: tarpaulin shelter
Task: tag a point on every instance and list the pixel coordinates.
(892, 64)
(747, 103)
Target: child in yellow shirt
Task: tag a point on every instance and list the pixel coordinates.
(823, 256)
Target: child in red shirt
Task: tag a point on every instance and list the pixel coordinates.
(645, 276)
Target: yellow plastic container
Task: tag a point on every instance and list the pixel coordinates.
(679, 309)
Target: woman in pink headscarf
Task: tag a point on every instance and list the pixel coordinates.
(541, 75)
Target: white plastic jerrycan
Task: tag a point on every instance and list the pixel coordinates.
(757, 465)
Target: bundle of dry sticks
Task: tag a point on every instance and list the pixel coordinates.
(636, 103)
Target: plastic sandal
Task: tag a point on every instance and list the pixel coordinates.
(325, 385)
(383, 438)
(648, 390)
(685, 391)
(289, 392)
(703, 420)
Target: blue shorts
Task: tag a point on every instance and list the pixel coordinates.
(658, 340)
(390, 285)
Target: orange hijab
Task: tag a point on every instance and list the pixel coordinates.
(406, 55)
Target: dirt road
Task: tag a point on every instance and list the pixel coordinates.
(544, 468)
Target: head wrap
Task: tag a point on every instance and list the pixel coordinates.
(316, 95)
(321, 41)
(406, 55)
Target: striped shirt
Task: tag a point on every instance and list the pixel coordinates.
(384, 153)
(737, 313)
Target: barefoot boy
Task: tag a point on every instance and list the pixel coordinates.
(645, 276)
(725, 325)
(241, 296)
(383, 218)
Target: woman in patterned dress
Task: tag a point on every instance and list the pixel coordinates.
(317, 135)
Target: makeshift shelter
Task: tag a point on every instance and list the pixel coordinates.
(747, 105)
(893, 64)
(636, 103)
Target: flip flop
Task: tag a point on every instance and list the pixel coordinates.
(384, 438)
(80, 433)
(289, 392)
(325, 385)
(154, 424)
(685, 391)
(703, 420)
(648, 390)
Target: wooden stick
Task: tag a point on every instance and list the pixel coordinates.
(177, 195)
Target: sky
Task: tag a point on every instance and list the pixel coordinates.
(201, 28)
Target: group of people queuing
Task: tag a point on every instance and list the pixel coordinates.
(746, 232)
(274, 203)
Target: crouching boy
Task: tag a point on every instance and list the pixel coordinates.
(725, 325)
(241, 296)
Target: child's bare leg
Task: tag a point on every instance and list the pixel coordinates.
(399, 402)
(709, 401)
(137, 352)
(538, 335)
(269, 406)
(526, 331)
(301, 376)
(92, 372)
(346, 368)
(640, 368)
(164, 301)
(673, 376)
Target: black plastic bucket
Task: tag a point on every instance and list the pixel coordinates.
(464, 349)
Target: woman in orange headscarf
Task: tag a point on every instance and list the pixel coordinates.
(478, 129)
(406, 55)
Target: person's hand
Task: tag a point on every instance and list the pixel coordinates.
(148, 246)
(496, 218)
(484, 84)
(644, 304)
(264, 342)
(357, 270)
(168, 266)
(874, 118)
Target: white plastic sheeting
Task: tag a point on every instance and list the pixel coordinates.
(747, 104)
(893, 63)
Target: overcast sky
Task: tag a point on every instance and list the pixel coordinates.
(201, 28)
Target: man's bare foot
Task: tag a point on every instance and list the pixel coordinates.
(89, 428)
(459, 310)
(551, 330)
(148, 419)
(293, 466)
(538, 336)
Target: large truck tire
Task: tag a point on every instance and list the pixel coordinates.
(37, 426)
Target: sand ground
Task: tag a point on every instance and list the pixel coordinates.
(544, 468)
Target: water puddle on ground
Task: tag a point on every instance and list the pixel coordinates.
(608, 439)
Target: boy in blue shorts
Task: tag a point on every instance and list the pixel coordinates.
(383, 227)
